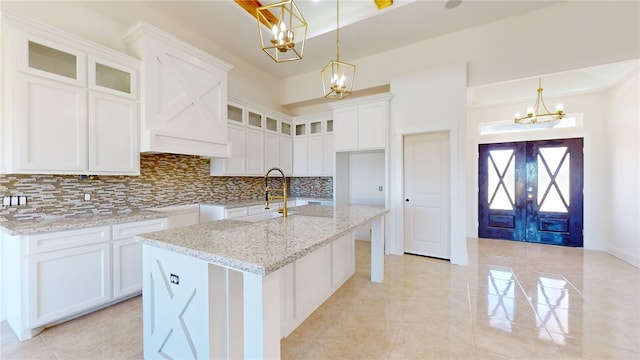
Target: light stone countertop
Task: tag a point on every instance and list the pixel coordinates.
(265, 246)
(242, 203)
(61, 223)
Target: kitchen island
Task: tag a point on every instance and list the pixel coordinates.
(233, 289)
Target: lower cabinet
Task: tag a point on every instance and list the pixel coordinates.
(311, 280)
(66, 282)
(60, 275)
(127, 267)
(127, 255)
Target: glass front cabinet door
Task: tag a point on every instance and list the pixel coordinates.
(47, 59)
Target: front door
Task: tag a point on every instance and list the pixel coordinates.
(426, 184)
(531, 191)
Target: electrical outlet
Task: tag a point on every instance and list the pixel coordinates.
(6, 201)
(14, 201)
(22, 200)
(87, 197)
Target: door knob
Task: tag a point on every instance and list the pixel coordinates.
(407, 200)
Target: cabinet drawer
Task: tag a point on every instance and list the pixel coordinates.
(235, 212)
(60, 240)
(123, 231)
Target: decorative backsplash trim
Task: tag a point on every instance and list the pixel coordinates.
(165, 180)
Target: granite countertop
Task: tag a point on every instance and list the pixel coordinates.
(241, 203)
(61, 223)
(265, 246)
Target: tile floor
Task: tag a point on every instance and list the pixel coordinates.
(513, 301)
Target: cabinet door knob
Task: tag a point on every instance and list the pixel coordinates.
(407, 200)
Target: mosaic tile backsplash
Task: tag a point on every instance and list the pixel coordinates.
(165, 180)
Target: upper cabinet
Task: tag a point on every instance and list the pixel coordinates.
(361, 124)
(259, 139)
(183, 93)
(313, 153)
(70, 106)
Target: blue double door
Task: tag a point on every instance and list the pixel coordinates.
(532, 191)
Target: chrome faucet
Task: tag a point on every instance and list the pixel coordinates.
(268, 197)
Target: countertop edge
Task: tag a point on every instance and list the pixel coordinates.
(72, 223)
(243, 266)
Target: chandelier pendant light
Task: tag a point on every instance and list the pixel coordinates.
(534, 116)
(282, 30)
(337, 76)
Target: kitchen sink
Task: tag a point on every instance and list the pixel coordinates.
(262, 217)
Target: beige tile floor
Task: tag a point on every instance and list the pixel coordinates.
(513, 301)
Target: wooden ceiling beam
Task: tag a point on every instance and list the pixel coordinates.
(250, 6)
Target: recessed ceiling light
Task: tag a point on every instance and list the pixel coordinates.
(450, 4)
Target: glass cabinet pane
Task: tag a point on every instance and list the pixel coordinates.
(285, 128)
(234, 113)
(255, 119)
(315, 127)
(272, 124)
(301, 129)
(52, 60)
(329, 126)
(111, 78)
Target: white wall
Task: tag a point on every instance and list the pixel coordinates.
(430, 100)
(571, 35)
(622, 137)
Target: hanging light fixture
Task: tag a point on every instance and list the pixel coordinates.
(337, 76)
(283, 30)
(534, 116)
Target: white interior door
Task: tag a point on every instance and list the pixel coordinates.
(426, 184)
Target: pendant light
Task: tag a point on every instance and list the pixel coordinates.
(282, 30)
(337, 77)
(534, 115)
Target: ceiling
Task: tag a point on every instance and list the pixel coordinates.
(364, 31)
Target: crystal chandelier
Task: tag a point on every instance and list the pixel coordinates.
(278, 25)
(337, 76)
(534, 115)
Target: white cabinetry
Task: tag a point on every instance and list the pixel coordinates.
(285, 148)
(68, 272)
(70, 106)
(183, 92)
(260, 139)
(63, 274)
(309, 281)
(255, 144)
(361, 124)
(313, 145)
(127, 255)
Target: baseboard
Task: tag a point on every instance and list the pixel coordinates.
(625, 256)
